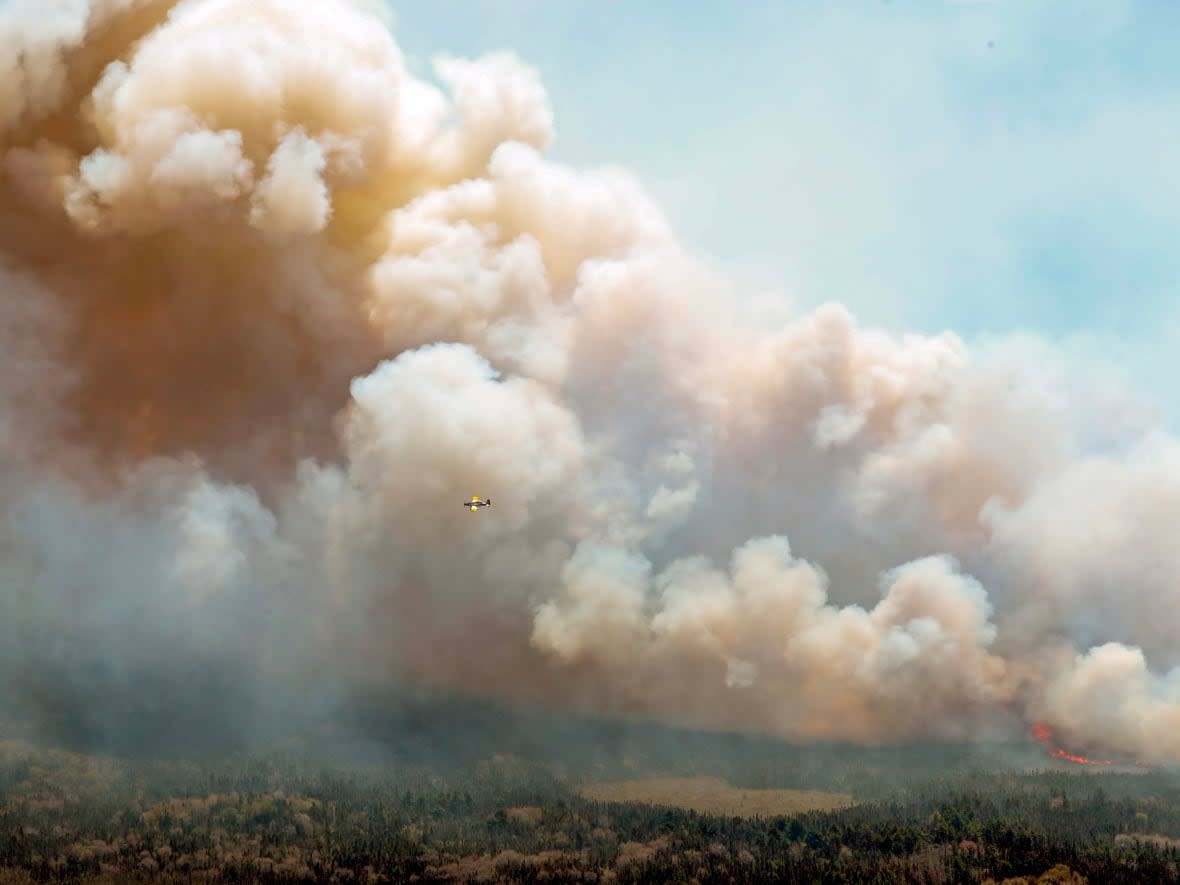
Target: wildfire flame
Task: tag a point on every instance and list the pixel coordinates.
(1044, 735)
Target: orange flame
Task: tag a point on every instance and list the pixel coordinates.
(1044, 735)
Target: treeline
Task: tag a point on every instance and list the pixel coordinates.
(75, 818)
(449, 733)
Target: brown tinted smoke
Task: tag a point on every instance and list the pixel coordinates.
(272, 308)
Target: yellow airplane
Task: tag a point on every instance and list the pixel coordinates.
(476, 503)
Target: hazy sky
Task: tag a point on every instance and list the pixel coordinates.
(989, 167)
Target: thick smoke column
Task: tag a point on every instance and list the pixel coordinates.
(272, 308)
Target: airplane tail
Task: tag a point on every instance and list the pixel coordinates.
(489, 502)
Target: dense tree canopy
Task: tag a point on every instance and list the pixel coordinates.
(65, 817)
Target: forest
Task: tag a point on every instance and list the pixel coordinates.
(393, 812)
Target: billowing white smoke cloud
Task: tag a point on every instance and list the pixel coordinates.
(272, 308)
(776, 653)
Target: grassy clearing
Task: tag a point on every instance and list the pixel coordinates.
(711, 795)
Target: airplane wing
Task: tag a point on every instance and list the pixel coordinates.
(474, 498)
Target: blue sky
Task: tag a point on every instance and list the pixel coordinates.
(882, 154)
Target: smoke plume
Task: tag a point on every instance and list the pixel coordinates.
(271, 308)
